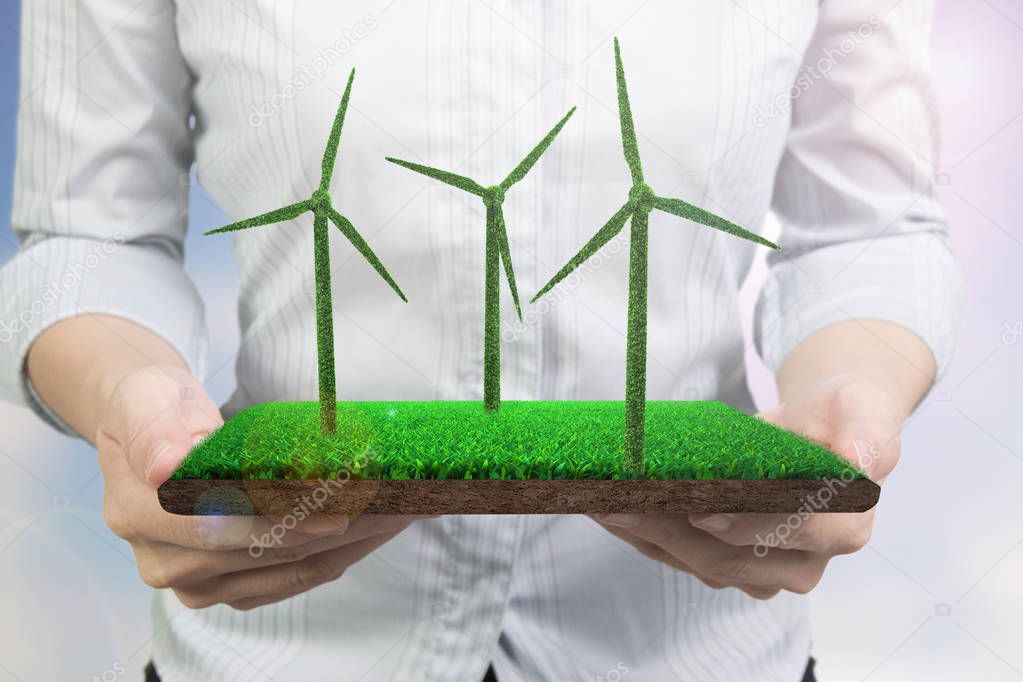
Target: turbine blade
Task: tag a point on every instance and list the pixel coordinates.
(334, 141)
(502, 236)
(349, 231)
(453, 179)
(533, 156)
(686, 210)
(629, 143)
(603, 236)
(278, 215)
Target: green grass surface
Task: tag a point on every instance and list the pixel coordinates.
(523, 440)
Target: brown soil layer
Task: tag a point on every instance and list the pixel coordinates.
(278, 498)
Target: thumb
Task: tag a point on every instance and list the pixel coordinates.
(867, 431)
(156, 415)
(158, 446)
(874, 451)
(164, 425)
(771, 416)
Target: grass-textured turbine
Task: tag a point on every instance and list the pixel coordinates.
(641, 202)
(322, 207)
(497, 253)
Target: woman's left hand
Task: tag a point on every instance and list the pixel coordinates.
(762, 554)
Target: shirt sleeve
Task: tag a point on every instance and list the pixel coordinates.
(863, 234)
(101, 181)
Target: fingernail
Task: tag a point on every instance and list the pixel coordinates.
(342, 524)
(715, 523)
(866, 454)
(157, 453)
(622, 520)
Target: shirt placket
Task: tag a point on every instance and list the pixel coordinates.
(483, 77)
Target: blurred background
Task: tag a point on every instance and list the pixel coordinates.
(937, 594)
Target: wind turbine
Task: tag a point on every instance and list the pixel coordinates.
(497, 252)
(640, 204)
(322, 207)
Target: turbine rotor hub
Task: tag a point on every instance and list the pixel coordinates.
(642, 196)
(493, 196)
(321, 200)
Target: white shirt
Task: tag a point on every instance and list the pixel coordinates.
(740, 108)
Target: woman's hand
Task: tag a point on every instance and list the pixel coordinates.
(127, 390)
(764, 553)
(155, 416)
(849, 385)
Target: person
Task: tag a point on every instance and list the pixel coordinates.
(819, 112)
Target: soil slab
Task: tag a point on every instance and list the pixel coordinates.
(278, 498)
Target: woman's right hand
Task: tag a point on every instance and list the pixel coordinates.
(154, 415)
